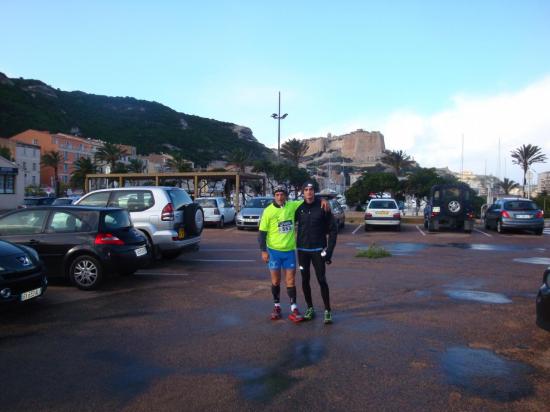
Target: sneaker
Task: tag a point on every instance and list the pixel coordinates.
(310, 314)
(328, 316)
(295, 316)
(276, 314)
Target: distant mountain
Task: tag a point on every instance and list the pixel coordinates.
(150, 126)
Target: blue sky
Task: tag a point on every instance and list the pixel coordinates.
(424, 73)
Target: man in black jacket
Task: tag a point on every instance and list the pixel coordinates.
(313, 226)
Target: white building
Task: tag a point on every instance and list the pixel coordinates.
(12, 190)
(543, 182)
(27, 158)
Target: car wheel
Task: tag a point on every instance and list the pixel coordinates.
(366, 227)
(486, 224)
(150, 247)
(240, 228)
(425, 224)
(431, 226)
(500, 229)
(86, 272)
(398, 228)
(194, 219)
(539, 231)
(171, 254)
(221, 223)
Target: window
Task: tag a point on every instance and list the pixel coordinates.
(7, 184)
(54, 140)
(96, 199)
(33, 179)
(27, 222)
(35, 141)
(133, 200)
(117, 219)
(179, 198)
(65, 167)
(64, 222)
(207, 203)
(34, 167)
(24, 165)
(65, 178)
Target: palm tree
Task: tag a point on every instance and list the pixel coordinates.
(110, 153)
(240, 159)
(525, 156)
(179, 164)
(294, 150)
(53, 159)
(508, 185)
(82, 167)
(136, 166)
(397, 160)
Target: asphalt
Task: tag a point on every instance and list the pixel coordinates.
(445, 323)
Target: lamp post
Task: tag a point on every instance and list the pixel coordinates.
(277, 116)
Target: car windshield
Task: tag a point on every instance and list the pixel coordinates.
(382, 204)
(520, 205)
(116, 219)
(258, 203)
(207, 203)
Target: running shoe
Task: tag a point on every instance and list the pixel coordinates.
(310, 314)
(295, 316)
(328, 316)
(276, 314)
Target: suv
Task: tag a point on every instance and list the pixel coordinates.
(167, 216)
(449, 205)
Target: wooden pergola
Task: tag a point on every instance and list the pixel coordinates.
(101, 181)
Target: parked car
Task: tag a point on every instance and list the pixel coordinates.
(65, 201)
(250, 214)
(383, 212)
(217, 210)
(22, 277)
(82, 244)
(514, 213)
(450, 206)
(543, 302)
(167, 216)
(36, 201)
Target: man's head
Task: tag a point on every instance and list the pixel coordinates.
(280, 194)
(309, 192)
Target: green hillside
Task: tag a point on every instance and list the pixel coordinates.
(150, 126)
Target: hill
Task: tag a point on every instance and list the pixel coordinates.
(150, 126)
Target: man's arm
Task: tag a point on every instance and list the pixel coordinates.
(262, 240)
(332, 229)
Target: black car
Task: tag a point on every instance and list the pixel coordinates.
(449, 206)
(36, 201)
(21, 274)
(80, 243)
(543, 302)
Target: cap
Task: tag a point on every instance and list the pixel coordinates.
(308, 184)
(280, 188)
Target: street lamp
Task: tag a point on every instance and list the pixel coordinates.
(278, 117)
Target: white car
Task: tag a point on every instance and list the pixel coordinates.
(383, 212)
(217, 210)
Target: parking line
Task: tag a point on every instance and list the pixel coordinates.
(420, 230)
(357, 228)
(480, 231)
(230, 229)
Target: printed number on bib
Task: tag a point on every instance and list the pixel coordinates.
(285, 227)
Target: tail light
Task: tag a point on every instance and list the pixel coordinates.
(504, 213)
(434, 214)
(216, 211)
(470, 215)
(167, 212)
(397, 215)
(107, 239)
(367, 215)
(539, 214)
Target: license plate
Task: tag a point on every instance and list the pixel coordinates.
(523, 216)
(141, 251)
(383, 213)
(181, 233)
(31, 294)
(250, 220)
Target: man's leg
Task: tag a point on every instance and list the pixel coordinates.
(304, 259)
(275, 271)
(319, 266)
(290, 277)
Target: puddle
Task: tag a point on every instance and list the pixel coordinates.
(364, 324)
(264, 384)
(489, 248)
(483, 297)
(405, 249)
(229, 320)
(534, 260)
(483, 373)
(422, 293)
(466, 284)
(130, 376)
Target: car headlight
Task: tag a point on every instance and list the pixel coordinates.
(2, 269)
(239, 216)
(34, 254)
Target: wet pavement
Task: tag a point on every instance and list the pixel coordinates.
(445, 323)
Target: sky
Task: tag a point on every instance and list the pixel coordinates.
(428, 75)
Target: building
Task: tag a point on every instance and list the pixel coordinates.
(543, 182)
(12, 190)
(27, 158)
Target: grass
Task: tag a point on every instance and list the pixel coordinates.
(373, 252)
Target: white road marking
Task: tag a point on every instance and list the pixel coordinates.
(420, 230)
(481, 231)
(220, 260)
(230, 229)
(357, 228)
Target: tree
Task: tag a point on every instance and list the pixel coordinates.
(240, 159)
(294, 150)
(178, 163)
(508, 185)
(82, 167)
(110, 153)
(397, 160)
(5, 152)
(525, 156)
(136, 166)
(369, 183)
(421, 180)
(53, 159)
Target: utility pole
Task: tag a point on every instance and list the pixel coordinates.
(277, 116)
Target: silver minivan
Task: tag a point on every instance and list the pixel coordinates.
(168, 217)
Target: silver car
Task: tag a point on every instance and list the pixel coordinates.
(168, 217)
(250, 214)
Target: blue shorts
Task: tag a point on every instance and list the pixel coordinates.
(281, 260)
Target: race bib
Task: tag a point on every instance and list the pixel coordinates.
(285, 227)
